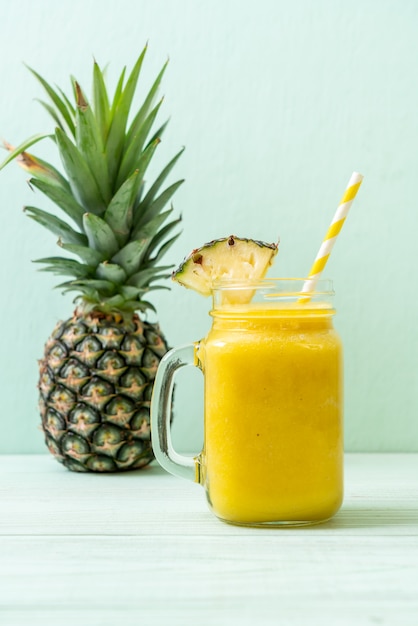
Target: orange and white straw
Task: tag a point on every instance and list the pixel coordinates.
(332, 232)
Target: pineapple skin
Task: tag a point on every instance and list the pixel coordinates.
(95, 385)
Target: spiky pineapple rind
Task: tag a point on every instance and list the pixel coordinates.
(95, 385)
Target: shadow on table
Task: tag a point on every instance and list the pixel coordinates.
(363, 516)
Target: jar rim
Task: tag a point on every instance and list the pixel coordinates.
(295, 295)
(285, 287)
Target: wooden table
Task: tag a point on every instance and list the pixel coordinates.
(142, 548)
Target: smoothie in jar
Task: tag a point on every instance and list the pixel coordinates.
(273, 413)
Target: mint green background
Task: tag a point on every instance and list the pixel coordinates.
(277, 103)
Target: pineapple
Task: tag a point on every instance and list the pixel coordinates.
(98, 368)
(226, 258)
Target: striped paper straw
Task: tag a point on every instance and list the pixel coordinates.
(332, 232)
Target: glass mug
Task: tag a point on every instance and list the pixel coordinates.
(273, 430)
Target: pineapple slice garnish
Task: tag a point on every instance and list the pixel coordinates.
(232, 258)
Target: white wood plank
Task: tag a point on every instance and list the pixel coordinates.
(286, 575)
(38, 496)
(142, 548)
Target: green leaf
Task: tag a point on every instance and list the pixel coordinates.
(62, 198)
(116, 302)
(130, 293)
(161, 235)
(159, 181)
(68, 285)
(143, 163)
(100, 235)
(90, 144)
(146, 106)
(156, 287)
(158, 133)
(163, 250)
(42, 170)
(56, 226)
(119, 212)
(148, 210)
(88, 294)
(143, 305)
(82, 182)
(52, 112)
(60, 104)
(147, 276)
(131, 255)
(89, 256)
(117, 94)
(151, 227)
(15, 152)
(100, 102)
(112, 272)
(63, 266)
(67, 101)
(116, 137)
(133, 150)
(101, 286)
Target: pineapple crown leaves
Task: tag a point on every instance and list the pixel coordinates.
(118, 230)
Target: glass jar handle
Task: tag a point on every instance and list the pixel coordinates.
(161, 403)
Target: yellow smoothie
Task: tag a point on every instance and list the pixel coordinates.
(273, 414)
